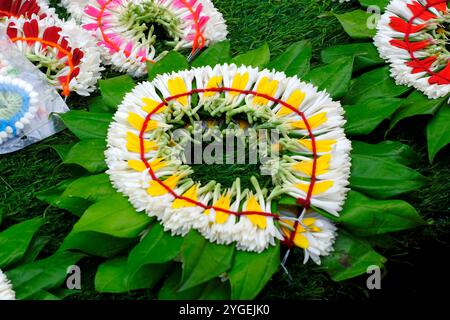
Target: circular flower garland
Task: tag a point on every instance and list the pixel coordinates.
(66, 54)
(6, 291)
(144, 163)
(25, 8)
(18, 105)
(126, 28)
(413, 36)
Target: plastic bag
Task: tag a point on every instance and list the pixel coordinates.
(28, 103)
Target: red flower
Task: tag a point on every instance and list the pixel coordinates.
(421, 65)
(401, 25)
(410, 46)
(17, 8)
(441, 77)
(421, 12)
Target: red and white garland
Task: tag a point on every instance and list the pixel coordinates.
(25, 8)
(413, 36)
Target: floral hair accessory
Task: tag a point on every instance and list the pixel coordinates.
(25, 8)
(18, 105)
(126, 29)
(314, 167)
(6, 291)
(67, 55)
(413, 36)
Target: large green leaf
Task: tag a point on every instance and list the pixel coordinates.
(334, 77)
(251, 271)
(14, 241)
(295, 60)
(416, 104)
(367, 217)
(98, 105)
(438, 132)
(41, 275)
(374, 84)
(93, 188)
(173, 61)
(364, 117)
(88, 154)
(259, 57)
(63, 149)
(87, 125)
(383, 178)
(216, 54)
(351, 258)
(379, 3)
(390, 150)
(34, 249)
(158, 246)
(211, 290)
(113, 276)
(113, 216)
(113, 90)
(203, 260)
(355, 23)
(366, 54)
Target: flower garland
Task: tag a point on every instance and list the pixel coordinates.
(413, 37)
(144, 163)
(6, 291)
(25, 8)
(126, 29)
(18, 105)
(66, 54)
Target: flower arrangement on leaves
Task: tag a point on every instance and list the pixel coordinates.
(136, 246)
(20, 250)
(413, 37)
(67, 55)
(18, 105)
(128, 29)
(314, 169)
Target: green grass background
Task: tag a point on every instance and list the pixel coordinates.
(280, 23)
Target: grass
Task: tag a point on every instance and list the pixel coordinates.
(251, 23)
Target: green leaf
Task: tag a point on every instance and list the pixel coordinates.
(173, 61)
(438, 132)
(259, 57)
(14, 241)
(251, 271)
(295, 61)
(62, 149)
(98, 105)
(379, 3)
(355, 23)
(44, 274)
(203, 260)
(113, 276)
(351, 258)
(416, 104)
(366, 55)
(158, 246)
(334, 77)
(218, 53)
(89, 154)
(374, 84)
(34, 249)
(391, 150)
(93, 188)
(367, 217)
(87, 125)
(383, 178)
(96, 244)
(211, 290)
(113, 90)
(364, 117)
(113, 216)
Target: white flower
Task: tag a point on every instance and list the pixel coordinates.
(75, 7)
(6, 291)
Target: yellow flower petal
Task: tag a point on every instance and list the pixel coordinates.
(294, 100)
(137, 122)
(214, 82)
(314, 121)
(266, 87)
(190, 194)
(253, 206)
(319, 187)
(240, 82)
(157, 164)
(156, 189)
(224, 202)
(177, 86)
(306, 166)
(321, 145)
(137, 165)
(134, 145)
(151, 105)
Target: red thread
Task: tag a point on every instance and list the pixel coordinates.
(306, 202)
(409, 44)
